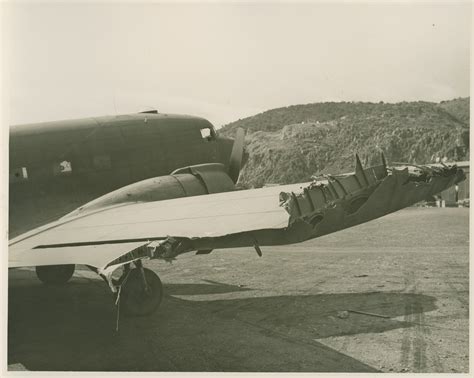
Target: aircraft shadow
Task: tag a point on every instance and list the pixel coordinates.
(72, 328)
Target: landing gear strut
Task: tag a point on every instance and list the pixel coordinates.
(141, 291)
(55, 274)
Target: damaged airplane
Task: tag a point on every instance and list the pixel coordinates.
(132, 224)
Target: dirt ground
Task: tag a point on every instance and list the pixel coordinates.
(291, 310)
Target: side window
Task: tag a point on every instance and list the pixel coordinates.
(62, 168)
(207, 134)
(18, 174)
(102, 162)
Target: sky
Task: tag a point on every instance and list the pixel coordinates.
(225, 61)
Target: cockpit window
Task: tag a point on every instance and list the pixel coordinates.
(206, 133)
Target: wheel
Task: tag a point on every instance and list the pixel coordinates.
(134, 300)
(55, 274)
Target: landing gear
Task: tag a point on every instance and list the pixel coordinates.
(141, 291)
(55, 274)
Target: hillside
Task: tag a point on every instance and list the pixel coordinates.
(291, 144)
(458, 108)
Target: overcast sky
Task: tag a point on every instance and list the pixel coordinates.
(225, 62)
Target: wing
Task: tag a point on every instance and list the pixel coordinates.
(99, 237)
(113, 236)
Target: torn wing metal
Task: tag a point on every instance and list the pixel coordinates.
(343, 201)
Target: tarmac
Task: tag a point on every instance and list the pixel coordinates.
(391, 295)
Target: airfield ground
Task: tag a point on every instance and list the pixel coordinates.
(290, 310)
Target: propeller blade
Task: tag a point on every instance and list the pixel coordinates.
(235, 162)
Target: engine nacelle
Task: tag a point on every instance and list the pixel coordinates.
(189, 181)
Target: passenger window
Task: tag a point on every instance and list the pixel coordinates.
(63, 168)
(102, 162)
(206, 134)
(18, 174)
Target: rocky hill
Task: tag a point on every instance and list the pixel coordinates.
(291, 144)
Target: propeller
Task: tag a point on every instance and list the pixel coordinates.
(235, 162)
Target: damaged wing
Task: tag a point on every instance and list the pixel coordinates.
(110, 237)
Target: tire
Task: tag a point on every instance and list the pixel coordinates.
(134, 301)
(55, 274)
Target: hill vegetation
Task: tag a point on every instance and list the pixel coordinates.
(458, 108)
(291, 144)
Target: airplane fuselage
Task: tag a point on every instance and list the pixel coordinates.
(55, 167)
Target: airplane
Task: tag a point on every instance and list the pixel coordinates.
(144, 220)
(55, 167)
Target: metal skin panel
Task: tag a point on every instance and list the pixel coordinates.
(96, 256)
(139, 147)
(154, 189)
(201, 179)
(214, 214)
(234, 219)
